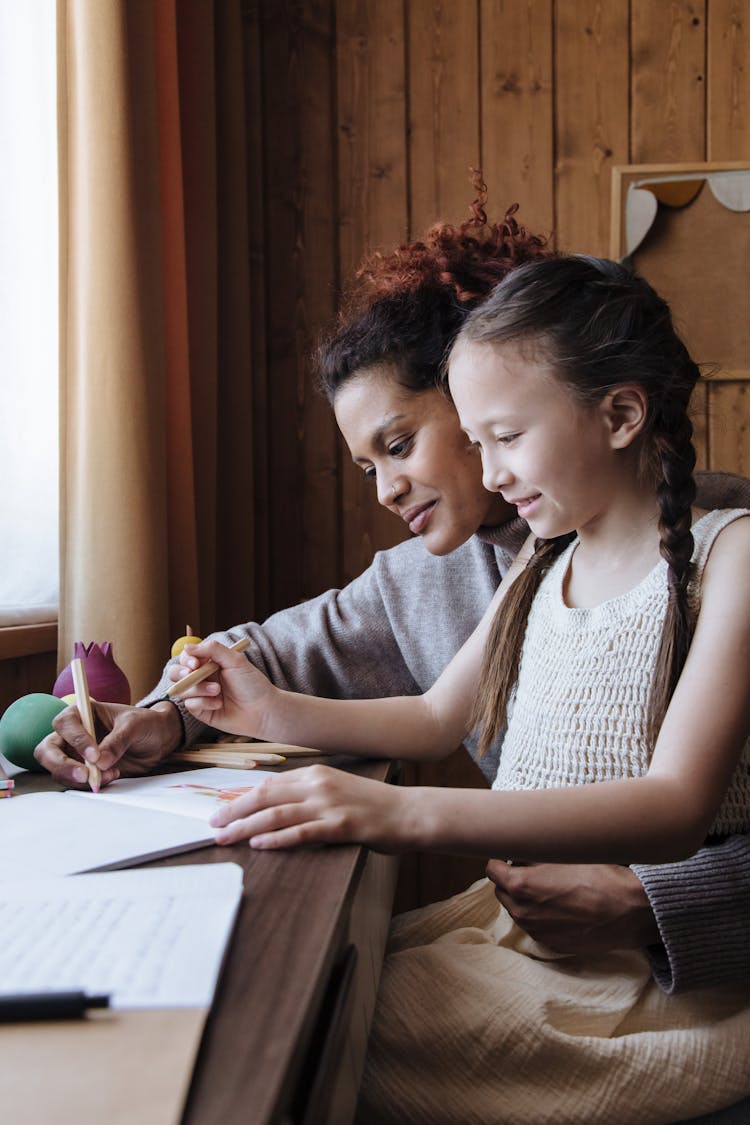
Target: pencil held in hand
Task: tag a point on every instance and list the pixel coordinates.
(83, 703)
(181, 686)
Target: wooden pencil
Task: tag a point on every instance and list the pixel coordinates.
(228, 755)
(256, 748)
(290, 751)
(181, 686)
(231, 761)
(83, 703)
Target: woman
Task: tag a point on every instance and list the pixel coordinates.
(388, 632)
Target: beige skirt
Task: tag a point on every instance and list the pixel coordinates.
(477, 1023)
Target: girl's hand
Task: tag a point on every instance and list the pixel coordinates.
(317, 805)
(236, 699)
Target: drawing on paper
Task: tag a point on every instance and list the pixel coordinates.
(218, 793)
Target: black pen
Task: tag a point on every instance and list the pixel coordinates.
(21, 1006)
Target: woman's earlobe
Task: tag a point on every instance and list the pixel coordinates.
(627, 413)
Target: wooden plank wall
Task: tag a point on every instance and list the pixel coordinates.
(365, 116)
(27, 672)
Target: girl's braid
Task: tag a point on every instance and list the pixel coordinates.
(675, 494)
(673, 433)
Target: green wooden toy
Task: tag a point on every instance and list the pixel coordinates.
(23, 726)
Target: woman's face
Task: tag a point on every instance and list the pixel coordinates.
(410, 444)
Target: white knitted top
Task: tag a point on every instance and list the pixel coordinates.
(579, 711)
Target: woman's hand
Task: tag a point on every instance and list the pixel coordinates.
(132, 740)
(235, 699)
(576, 908)
(317, 805)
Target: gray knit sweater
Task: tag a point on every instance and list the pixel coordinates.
(392, 631)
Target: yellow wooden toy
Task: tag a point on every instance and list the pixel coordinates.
(189, 639)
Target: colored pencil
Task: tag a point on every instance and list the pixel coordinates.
(83, 703)
(249, 752)
(230, 761)
(181, 686)
(257, 748)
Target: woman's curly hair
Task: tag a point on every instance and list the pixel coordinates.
(403, 309)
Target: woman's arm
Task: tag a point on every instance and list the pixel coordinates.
(391, 631)
(702, 909)
(241, 701)
(692, 918)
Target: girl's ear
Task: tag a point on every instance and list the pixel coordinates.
(626, 412)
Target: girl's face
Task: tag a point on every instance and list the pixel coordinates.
(411, 446)
(542, 449)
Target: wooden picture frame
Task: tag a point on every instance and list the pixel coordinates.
(686, 228)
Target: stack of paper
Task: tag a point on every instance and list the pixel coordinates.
(149, 939)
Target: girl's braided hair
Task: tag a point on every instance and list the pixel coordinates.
(599, 325)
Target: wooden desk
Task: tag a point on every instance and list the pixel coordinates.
(285, 1039)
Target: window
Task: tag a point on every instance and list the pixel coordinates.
(28, 314)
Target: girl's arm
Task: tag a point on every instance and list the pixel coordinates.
(390, 631)
(240, 700)
(432, 725)
(657, 818)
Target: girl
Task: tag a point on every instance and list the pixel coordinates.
(575, 387)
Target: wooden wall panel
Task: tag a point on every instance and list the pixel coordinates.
(668, 111)
(300, 275)
(371, 104)
(197, 90)
(25, 674)
(669, 89)
(728, 73)
(235, 538)
(318, 264)
(591, 117)
(728, 138)
(443, 100)
(729, 421)
(282, 164)
(258, 428)
(517, 109)
(372, 204)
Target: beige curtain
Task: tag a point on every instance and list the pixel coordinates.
(154, 324)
